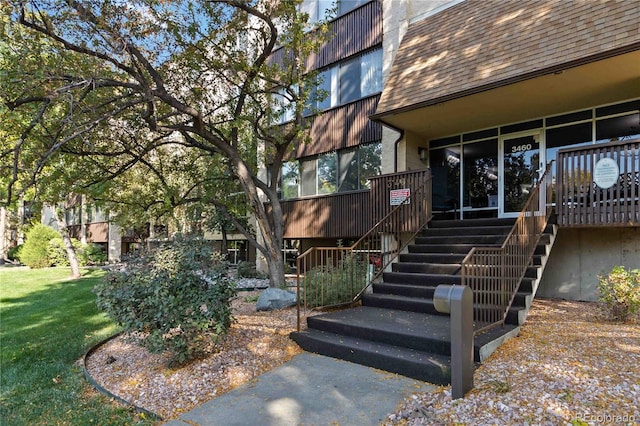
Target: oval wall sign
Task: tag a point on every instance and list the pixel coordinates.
(606, 173)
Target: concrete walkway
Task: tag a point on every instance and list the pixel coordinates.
(308, 390)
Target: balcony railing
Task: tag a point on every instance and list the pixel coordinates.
(494, 273)
(330, 216)
(599, 185)
(355, 31)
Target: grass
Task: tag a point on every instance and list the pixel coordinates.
(47, 322)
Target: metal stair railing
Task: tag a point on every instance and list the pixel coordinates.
(494, 273)
(337, 276)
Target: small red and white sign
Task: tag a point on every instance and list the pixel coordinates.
(398, 196)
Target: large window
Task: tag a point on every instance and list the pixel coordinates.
(371, 73)
(285, 109)
(327, 173)
(349, 81)
(475, 186)
(339, 171)
(290, 179)
(480, 174)
(340, 84)
(369, 162)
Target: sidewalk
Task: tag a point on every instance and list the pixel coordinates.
(308, 390)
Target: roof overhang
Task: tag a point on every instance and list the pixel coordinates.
(593, 81)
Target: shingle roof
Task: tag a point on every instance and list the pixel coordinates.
(479, 44)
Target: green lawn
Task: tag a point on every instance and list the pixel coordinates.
(46, 323)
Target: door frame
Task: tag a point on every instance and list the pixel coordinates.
(536, 133)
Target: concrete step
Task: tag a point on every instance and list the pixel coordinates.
(442, 248)
(408, 290)
(400, 277)
(461, 239)
(426, 268)
(411, 330)
(471, 223)
(399, 302)
(442, 258)
(466, 230)
(429, 367)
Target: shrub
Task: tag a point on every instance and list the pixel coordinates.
(334, 284)
(58, 253)
(619, 293)
(177, 297)
(35, 250)
(248, 270)
(14, 253)
(92, 254)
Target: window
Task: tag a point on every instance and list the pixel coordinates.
(350, 80)
(308, 177)
(348, 170)
(327, 92)
(369, 162)
(618, 127)
(480, 173)
(327, 173)
(345, 170)
(284, 108)
(371, 73)
(290, 179)
(445, 169)
(345, 6)
(318, 10)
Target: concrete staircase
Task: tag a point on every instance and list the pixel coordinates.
(397, 328)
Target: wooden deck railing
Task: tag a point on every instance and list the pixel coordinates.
(599, 185)
(494, 273)
(334, 276)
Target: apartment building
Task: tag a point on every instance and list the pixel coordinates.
(483, 95)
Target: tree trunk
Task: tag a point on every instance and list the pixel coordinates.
(68, 245)
(272, 244)
(271, 225)
(3, 230)
(223, 245)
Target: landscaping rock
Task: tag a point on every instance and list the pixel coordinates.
(275, 298)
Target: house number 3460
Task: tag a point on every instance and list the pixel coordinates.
(520, 148)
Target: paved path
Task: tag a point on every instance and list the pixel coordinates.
(308, 390)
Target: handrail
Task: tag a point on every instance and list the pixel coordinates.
(335, 276)
(494, 273)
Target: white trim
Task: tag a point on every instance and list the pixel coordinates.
(434, 11)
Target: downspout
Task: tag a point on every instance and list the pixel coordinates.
(395, 144)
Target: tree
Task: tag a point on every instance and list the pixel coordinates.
(52, 183)
(188, 73)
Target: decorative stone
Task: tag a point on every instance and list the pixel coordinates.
(275, 298)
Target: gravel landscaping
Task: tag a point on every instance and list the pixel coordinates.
(567, 365)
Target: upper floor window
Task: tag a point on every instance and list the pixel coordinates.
(322, 10)
(349, 81)
(284, 107)
(345, 6)
(290, 180)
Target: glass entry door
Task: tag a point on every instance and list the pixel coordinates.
(521, 162)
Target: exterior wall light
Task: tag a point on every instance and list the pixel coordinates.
(422, 152)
